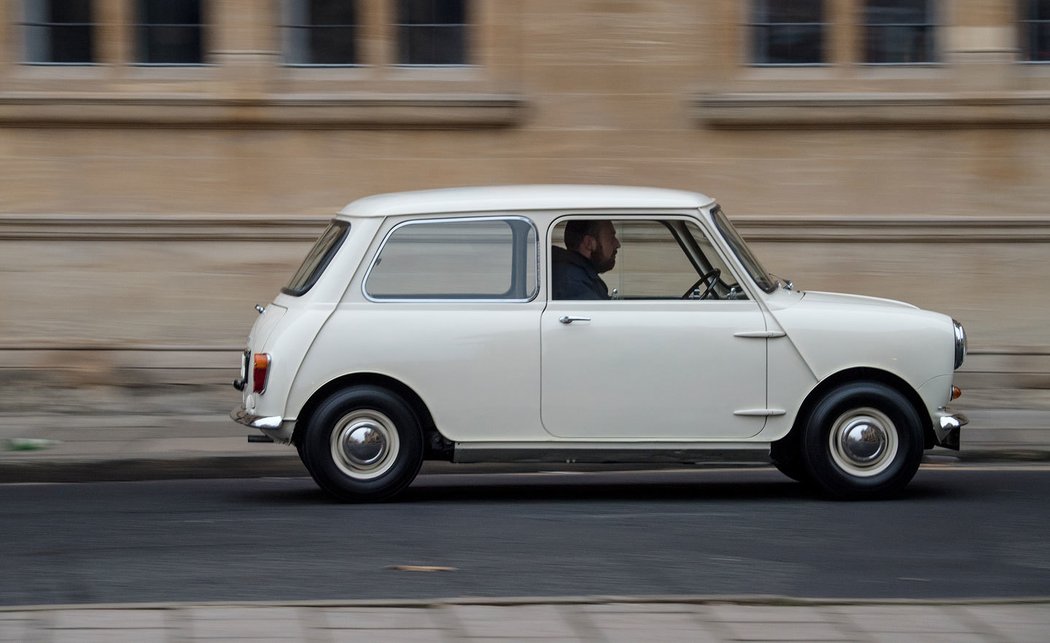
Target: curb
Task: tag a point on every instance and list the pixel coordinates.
(772, 600)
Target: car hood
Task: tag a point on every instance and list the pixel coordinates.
(816, 297)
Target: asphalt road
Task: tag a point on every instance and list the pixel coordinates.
(958, 532)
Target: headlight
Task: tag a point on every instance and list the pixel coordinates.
(960, 343)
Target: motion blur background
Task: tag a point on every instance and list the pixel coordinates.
(165, 164)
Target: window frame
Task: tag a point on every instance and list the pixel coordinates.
(287, 27)
(398, 28)
(139, 28)
(682, 230)
(520, 260)
(753, 27)
(1026, 32)
(865, 30)
(29, 26)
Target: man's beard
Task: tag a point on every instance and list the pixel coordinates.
(606, 264)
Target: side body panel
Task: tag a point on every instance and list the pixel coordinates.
(654, 370)
(828, 334)
(476, 367)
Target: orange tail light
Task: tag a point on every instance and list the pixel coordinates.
(260, 369)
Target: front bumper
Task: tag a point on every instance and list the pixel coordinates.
(946, 428)
(274, 426)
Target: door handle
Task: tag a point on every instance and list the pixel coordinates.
(568, 319)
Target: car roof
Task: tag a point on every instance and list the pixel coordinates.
(517, 198)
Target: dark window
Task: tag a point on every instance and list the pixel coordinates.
(432, 32)
(899, 32)
(320, 32)
(1035, 30)
(59, 31)
(787, 32)
(169, 32)
(317, 259)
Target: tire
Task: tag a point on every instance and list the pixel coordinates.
(363, 444)
(862, 440)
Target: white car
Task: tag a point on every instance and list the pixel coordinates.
(443, 325)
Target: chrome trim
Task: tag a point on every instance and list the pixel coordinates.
(761, 334)
(947, 427)
(260, 309)
(960, 343)
(242, 416)
(568, 319)
(760, 412)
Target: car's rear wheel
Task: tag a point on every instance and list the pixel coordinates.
(363, 444)
(862, 440)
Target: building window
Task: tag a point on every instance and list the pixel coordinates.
(59, 31)
(169, 32)
(432, 32)
(899, 32)
(787, 32)
(320, 32)
(1035, 30)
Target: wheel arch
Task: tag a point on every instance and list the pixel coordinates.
(861, 374)
(432, 437)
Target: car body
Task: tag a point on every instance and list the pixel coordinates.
(422, 326)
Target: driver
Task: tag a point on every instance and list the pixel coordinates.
(590, 249)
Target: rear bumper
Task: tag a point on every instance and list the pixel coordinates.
(273, 426)
(947, 426)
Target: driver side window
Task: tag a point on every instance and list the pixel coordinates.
(657, 259)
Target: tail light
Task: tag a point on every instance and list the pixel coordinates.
(260, 369)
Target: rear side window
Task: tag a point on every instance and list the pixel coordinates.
(317, 259)
(480, 259)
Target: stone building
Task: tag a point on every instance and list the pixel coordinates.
(164, 164)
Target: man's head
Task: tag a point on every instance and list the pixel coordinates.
(595, 239)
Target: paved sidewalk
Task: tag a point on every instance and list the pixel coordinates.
(570, 619)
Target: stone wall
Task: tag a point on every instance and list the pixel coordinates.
(143, 211)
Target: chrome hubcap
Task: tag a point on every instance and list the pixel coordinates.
(863, 442)
(364, 444)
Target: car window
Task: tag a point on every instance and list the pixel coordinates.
(488, 259)
(317, 259)
(655, 259)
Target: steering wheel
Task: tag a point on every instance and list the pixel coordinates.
(710, 278)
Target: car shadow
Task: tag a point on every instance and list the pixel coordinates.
(757, 485)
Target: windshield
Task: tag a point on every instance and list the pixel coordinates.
(742, 251)
(317, 259)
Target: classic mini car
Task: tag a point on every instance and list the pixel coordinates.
(455, 325)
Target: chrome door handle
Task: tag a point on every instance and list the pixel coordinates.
(568, 319)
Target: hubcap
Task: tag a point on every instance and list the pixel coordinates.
(863, 442)
(364, 444)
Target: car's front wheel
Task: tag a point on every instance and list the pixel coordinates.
(862, 440)
(363, 444)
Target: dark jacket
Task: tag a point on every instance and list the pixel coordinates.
(573, 277)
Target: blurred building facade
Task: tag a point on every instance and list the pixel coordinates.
(165, 164)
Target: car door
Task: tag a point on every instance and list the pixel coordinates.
(653, 362)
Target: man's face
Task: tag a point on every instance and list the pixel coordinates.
(603, 256)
